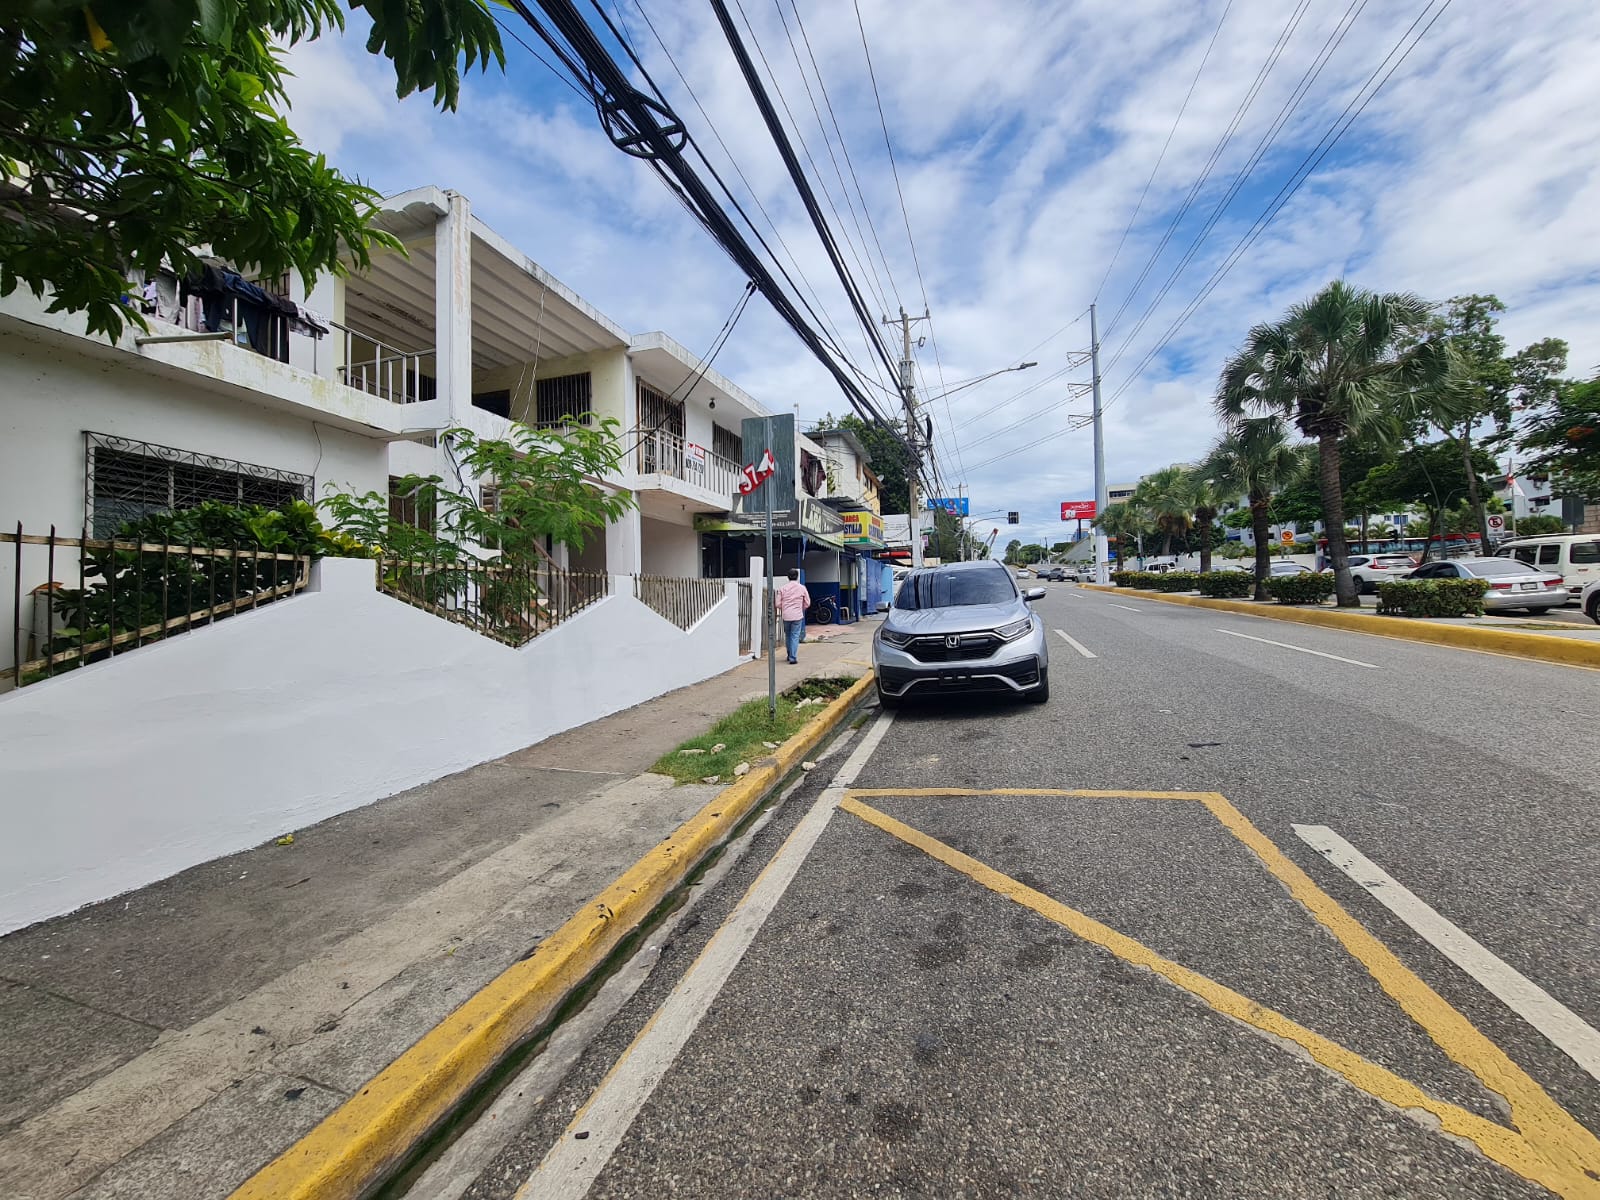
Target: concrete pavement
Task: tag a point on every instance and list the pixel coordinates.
(170, 1041)
(898, 1026)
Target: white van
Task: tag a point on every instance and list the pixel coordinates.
(1575, 555)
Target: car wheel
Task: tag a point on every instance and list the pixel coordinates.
(886, 701)
(1594, 610)
(1041, 694)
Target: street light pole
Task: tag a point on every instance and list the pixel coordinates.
(1102, 547)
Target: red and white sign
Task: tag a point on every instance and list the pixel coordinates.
(1077, 510)
(755, 476)
(1496, 523)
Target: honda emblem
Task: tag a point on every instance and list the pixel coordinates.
(952, 642)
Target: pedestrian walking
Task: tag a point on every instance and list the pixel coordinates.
(793, 600)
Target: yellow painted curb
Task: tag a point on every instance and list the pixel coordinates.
(1566, 652)
(353, 1147)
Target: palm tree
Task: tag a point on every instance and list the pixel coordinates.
(1257, 457)
(1166, 495)
(1205, 498)
(1329, 366)
(1124, 522)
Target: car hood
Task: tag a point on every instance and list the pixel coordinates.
(965, 618)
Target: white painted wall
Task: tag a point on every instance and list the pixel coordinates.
(130, 770)
(669, 549)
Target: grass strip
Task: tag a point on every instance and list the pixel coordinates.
(743, 733)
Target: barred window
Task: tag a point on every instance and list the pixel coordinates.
(728, 444)
(659, 412)
(564, 399)
(127, 480)
(406, 509)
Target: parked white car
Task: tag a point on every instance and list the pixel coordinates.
(1589, 601)
(1370, 570)
(1573, 556)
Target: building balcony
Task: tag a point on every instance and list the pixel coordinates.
(666, 462)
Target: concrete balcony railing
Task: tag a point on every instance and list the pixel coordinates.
(663, 453)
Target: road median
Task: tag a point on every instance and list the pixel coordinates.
(360, 1143)
(1567, 652)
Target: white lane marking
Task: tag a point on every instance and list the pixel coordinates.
(1354, 662)
(1564, 1028)
(1076, 644)
(1129, 608)
(574, 1162)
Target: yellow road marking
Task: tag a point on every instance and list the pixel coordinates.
(1092, 795)
(1549, 1148)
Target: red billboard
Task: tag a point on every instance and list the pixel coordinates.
(1077, 510)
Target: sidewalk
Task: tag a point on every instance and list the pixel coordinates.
(172, 1040)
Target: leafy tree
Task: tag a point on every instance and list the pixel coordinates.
(1125, 523)
(1540, 523)
(1329, 366)
(133, 133)
(1167, 496)
(1432, 477)
(1012, 548)
(1563, 437)
(1257, 456)
(886, 455)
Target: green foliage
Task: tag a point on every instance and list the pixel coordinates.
(1301, 589)
(1176, 581)
(1240, 519)
(1432, 597)
(1540, 523)
(1134, 579)
(128, 589)
(741, 733)
(134, 132)
(1564, 439)
(1226, 584)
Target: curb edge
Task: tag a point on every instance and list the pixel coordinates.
(353, 1147)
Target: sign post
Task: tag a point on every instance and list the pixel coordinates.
(769, 452)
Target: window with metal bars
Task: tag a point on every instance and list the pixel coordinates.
(563, 399)
(126, 480)
(659, 412)
(406, 509)
(728, 444)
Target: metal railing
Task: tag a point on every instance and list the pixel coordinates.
(512, 603)
(397, 376)
(663, 453)
(684, 602)
(128, 594)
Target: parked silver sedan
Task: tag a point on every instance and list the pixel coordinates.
(1512, 584)
(961, 627)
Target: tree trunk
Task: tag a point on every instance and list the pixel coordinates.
(1472, 488)
(1260, 503)
(1344, 585)
(1203, 523)
(1166, 545)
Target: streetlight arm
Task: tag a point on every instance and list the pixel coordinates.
(972, 382)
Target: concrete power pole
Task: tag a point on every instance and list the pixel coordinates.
(1102, 548)
(908, 392)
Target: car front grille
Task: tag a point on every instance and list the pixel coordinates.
(968, 646)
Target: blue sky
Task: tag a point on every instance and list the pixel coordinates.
(1024, 134)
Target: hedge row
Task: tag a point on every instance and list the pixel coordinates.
(1312, 588)
(1227, 585)
(1432, 597)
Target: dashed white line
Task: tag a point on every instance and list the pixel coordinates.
(1354, 662)
(587, 1144)
(1076, 644)
(1125, 607)
(1563, 1027)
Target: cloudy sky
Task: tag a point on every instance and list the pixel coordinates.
(1044, 166)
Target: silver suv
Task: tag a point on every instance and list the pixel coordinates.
(961, 627)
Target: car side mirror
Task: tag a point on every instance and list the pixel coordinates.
(1034, 594)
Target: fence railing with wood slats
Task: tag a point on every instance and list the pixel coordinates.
(511, 603)
(684, 602)
(127, 594)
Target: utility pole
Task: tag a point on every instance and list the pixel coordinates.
(1102, 548)
(908, 393)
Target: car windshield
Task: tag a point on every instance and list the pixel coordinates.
(955, 589)
(1491, 567)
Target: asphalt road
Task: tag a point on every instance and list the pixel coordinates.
(933, 990)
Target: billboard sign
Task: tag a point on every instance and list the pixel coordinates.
(862, 528)
(950, 504)
(1077, 510)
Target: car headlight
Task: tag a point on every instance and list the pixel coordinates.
(894, 637)
(1015, 630)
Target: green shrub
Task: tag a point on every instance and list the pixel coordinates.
(1312, 588)
(1177, 581)
(1226, 584)
(1134, 579)
(1432, 597)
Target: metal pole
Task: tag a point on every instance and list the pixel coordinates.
(771, 608)
(909, 391)
(1102, 548)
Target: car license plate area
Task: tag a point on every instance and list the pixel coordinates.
(1529, 587)
(952, 678)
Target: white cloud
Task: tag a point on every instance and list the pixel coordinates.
(1024, 134)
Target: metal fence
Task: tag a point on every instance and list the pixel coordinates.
(511, 603)
(126, 595)
(682, 601)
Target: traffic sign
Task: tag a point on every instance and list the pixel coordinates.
(1496, 522)
(1077, 510)
(1287, 537)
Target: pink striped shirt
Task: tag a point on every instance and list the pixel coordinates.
(793, 600)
